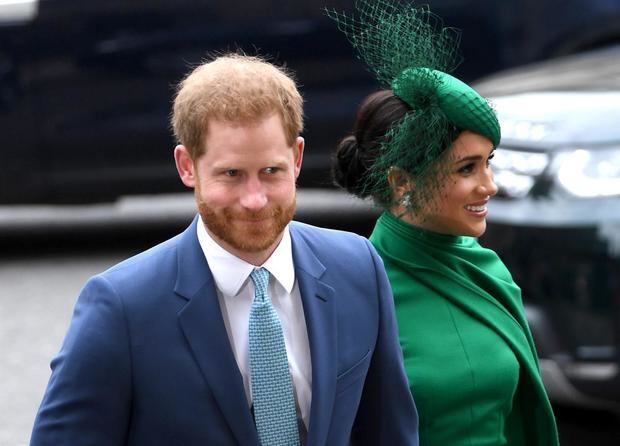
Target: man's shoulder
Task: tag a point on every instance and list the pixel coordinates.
(332, 242)
(309, 231)
(154, 267)
(150, 257)
(142, 281)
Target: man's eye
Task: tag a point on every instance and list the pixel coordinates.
(231, 172)
(271, 170)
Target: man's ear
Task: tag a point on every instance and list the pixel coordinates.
(298, 147)
(185, 165)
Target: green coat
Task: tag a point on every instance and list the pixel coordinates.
(469, 353)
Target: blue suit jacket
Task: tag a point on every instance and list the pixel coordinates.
(147, 361)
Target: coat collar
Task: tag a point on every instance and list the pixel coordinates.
(319, 310)
(202, 323)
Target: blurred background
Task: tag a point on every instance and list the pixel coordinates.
(87, 176)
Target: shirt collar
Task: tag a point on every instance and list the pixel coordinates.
(230, 272)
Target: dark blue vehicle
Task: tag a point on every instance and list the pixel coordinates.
(556, 219)
(86, 86)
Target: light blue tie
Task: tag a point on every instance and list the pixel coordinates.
(272, 386)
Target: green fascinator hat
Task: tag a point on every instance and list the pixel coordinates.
(462, 105)
(410, 52)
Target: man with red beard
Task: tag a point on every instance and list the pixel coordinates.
(170, 348)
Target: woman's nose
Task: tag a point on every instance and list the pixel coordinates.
(487, 185)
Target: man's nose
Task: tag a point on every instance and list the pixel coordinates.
(254, 196)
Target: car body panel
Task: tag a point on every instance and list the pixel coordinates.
(563, 246)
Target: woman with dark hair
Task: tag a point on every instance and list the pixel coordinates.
(421, 149)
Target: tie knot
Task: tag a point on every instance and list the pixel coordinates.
(260, 277)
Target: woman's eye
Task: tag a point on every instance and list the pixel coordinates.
(468, 168)
(491, 156)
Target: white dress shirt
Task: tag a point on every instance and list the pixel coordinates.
(235, 292)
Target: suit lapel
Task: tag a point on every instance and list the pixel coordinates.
(203, 326)
(319, 310)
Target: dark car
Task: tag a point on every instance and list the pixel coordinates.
(556, 219)
(86, 86)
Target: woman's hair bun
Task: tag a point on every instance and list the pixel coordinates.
(348, 168)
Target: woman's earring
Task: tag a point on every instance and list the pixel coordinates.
(406, 200)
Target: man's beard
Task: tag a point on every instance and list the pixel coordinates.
(225, 225)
